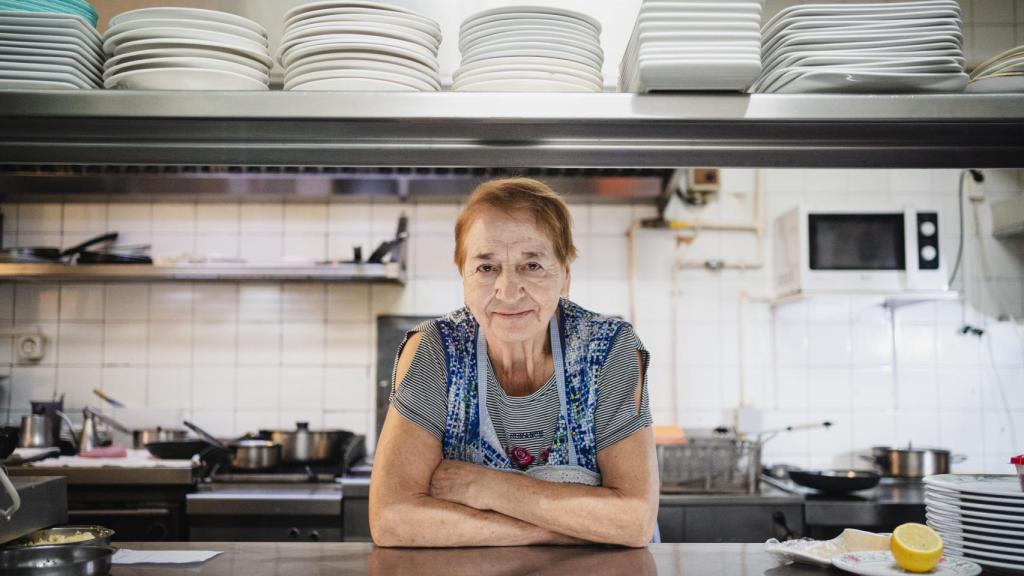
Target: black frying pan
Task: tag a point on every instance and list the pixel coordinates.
(26, 255)
(181, 449)
(836, 481)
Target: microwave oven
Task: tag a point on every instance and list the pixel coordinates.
(876, 251)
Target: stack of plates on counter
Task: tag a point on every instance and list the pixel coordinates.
(168, 48)
(1002, 74)
(359, 46)
(904, 47)
(693, 45)
(79, 8)
(48, 51)
(980, 517)
(530, 49)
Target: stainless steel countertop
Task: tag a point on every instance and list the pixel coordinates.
(109, 476)
(351, 558)
(265, 499)
(44, 503)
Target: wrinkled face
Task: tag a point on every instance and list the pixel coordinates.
(511, 279)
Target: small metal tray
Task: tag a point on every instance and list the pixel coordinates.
(57, 561)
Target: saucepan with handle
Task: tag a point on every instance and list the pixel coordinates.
(246, 454)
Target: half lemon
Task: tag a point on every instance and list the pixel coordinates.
(916, 547)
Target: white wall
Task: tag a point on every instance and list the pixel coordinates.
(240, 356)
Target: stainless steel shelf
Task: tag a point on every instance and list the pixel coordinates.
(510, 130)
(384, 273)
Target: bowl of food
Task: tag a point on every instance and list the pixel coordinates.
(66, 536)
(56, 560)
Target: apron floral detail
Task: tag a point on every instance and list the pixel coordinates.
(521, 457)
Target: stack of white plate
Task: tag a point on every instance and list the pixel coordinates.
(980, 517)
(899, 47)
(48, 51)
(1002, 74)
(185, 49)
(359, 46)
(79, 8)
(529, 49)
(693, 45)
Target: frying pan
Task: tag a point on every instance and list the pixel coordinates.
(247, 453)
(50, 255)
(835, 481)
(182, 449)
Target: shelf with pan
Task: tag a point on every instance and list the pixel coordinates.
(346, 272)
(86, 129)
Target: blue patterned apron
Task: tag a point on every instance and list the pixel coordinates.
(578, 352)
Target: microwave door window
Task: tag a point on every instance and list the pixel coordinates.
(856, 242)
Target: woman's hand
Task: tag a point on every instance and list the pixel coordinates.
(460, 482)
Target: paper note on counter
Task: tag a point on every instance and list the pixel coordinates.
(125, 556)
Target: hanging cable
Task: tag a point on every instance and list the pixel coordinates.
(978, 178)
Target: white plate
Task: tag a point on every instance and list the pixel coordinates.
(876, 10)
(1006, 84)
(342, 41)
(15, 84)
(535, 49)
(63, 60)
(353, 85)
(313, 33)
(377, 62)
(956, 516)
(552, 37)
(656, 6)
(968, 505)
(72, 49)
(780, 76)
(956, 510)
(187, 13)
(826, 23)
(546, 11)
(528, 19)
(667, 74)
(31, 20)
(111, 44)
(838, 81)
(982, 484)
(769, 45)
(187, 53)
(211, 25)
(432, 30)
(187, 62)
(167, 44)
(523, 86)
(821, 552)
(529, 42)
(975, 551)
(939, 49)
(50, 36)
(395, 78)
(526, 75)
(957, 523)
(882, 564)
(1005, 567)
(956, 539)
(334, 4)
(403, 60)
(528, 24)
(527, 61)
(8, 66)
(46, 77)
(842, 58)
(318, 50)
(856, 41)
(589, 76)
(357, 12)
(183, 79)
(693, 17)
(901, 45)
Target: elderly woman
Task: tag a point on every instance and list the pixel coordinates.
(521, 418)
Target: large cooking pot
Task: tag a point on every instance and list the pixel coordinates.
(912, 461)
(150, 435)
(304, 446)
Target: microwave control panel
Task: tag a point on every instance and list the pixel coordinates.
(927, 241)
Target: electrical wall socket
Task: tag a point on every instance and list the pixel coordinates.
(31, 348)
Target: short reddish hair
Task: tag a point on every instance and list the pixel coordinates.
(519, 194)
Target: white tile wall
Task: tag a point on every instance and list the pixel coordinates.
(241, 356)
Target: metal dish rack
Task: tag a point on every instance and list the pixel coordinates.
(710, 465)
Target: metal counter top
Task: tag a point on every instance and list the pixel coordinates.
(265, 499)
(350, 558)
(44, 503)
(103, 475)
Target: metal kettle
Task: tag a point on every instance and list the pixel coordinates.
(89, 438)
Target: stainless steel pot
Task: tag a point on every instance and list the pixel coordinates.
(246, 454)
(911, 461)
(302, 445)
(142, 437)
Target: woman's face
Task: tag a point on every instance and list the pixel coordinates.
(511, 279)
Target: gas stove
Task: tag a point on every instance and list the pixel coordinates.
(319, 473)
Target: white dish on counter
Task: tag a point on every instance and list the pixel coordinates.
(584, 74)
(1006, 568)
(171, 34)
(500, 41)
(1013, 548)
(173, 13)
(959, 503)
(297, 11)
(306, 52)
(957, 523)
(538, 52)
(17, 84)
(388, 76)
(1014, 520)
(516, 75)
(378, 62)
(984, 553)
(876, 10)
(301, 34)
(821, 552)
(289, 54)
(188, 62)
(31, 20)
(507, 31)
(8, 57)
(921, 18)
(42, 37)
(429, 28)
(74, 50)
(982, 484)
(183, 79)
(881, 563)
(545, 12)
(89, 79)
(173, 44)
(195, 24)
(187, 53)
(353, 85)
(59, 77)
(849, 81)
(357, 13)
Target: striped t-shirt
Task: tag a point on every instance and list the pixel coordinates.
(526, 421)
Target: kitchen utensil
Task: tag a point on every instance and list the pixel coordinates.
(835, 481)
(246, 454)
(57, 561)
(101, 536)
(911, 462)
(89, 438)
(140, 438)
(107, 399)
(36, 432)
(392, 247)
(183, 449)
(304, 446)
